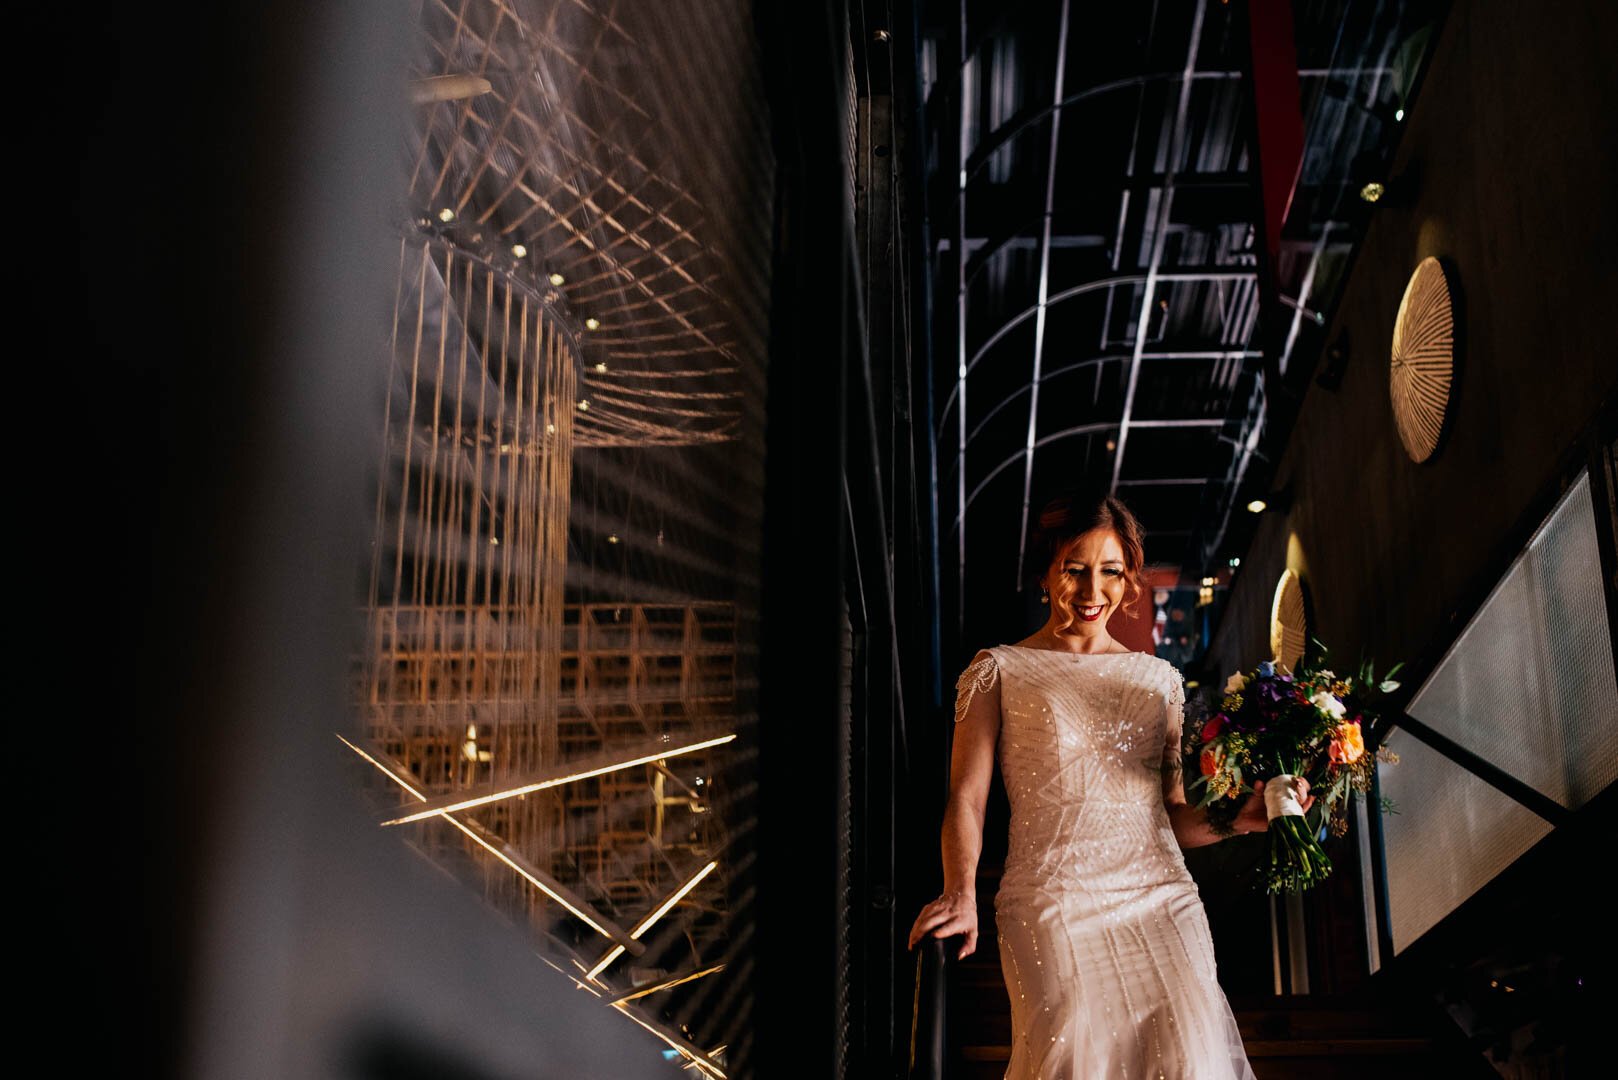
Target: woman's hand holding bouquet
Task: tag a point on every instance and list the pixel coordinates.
(1292, 731)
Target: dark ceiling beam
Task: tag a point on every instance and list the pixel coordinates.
(1023, 120)
(1069, 433)
(1178, 273)
(1153, 276)
(1170, 481)
(1092, 361)
(1044, 282)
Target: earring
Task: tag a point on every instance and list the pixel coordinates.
(1044, 597)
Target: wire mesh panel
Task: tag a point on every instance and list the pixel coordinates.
(567, 504)
(1529, 684)
(1452, 834)
(459, 680)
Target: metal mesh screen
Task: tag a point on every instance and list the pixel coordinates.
(1453, 832)
(1529, 683)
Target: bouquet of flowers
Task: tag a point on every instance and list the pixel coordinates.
(1283, 726)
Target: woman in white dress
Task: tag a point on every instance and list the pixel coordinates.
(1104, 943)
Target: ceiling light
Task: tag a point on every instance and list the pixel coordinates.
(1373, 190)
(557, 279)
(446, 215)
(1257, 506)
(592, 323)
(518, 250)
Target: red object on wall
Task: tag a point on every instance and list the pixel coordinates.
(1277, 110)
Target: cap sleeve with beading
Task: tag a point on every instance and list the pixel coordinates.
(1174, 709)
(982, 676)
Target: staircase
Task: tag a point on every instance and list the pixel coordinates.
(1319, 1036)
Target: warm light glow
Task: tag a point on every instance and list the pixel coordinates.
(446, 215)
(592, 323)
(601, 367)
(584, 916)
(1112, 444)
(551, 428)
(541, 785)
(585, 404)
(612, 539)
(700, 1062)
(648, 920)
(519, 250)
(1372, 191)
(669, 983)
(557, 279)
(1257, 506)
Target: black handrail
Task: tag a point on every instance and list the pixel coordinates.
(928, 1005)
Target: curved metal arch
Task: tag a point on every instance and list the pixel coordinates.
(1080, 429)
(1027, 313)
(1015, 394)
(1071, 432)
(1005, 133)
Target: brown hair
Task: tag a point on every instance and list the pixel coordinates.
(1063, 520)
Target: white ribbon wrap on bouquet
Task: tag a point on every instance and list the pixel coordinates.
(1281, 797)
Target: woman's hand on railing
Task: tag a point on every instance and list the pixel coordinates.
(952, 913)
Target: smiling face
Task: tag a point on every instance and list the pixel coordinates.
(1088, 579)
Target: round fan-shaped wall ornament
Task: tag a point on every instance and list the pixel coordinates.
(1289, 628)
(1422, 369)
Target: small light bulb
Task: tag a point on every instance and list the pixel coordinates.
(557, 279)
(494, 541)
(551, 428)
(612, 539)
(601, 367)
(1372, 191)
(592, 323)
(1112, 444)
(446, 215)
(1257, 506)
(585, 404)
(1398, 114)
(519, 250)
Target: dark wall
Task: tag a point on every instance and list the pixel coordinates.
(1513, 168)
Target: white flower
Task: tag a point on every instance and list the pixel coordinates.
(1236, 683)
(1328, 704)
(1328, 673)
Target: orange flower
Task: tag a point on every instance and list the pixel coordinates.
(1348, 745)
(1210, 761)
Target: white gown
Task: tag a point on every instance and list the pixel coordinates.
(1103, 939)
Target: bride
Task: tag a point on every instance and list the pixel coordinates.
(1104, 943)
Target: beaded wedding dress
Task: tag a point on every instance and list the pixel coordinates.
(1103, 940)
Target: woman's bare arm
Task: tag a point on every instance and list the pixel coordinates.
(977, 728)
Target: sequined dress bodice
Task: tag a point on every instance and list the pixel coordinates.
(1104, 943)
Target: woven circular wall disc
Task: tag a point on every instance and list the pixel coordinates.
(1422, 366)
(1289, 628)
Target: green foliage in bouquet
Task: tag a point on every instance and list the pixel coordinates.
(1310, 723)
